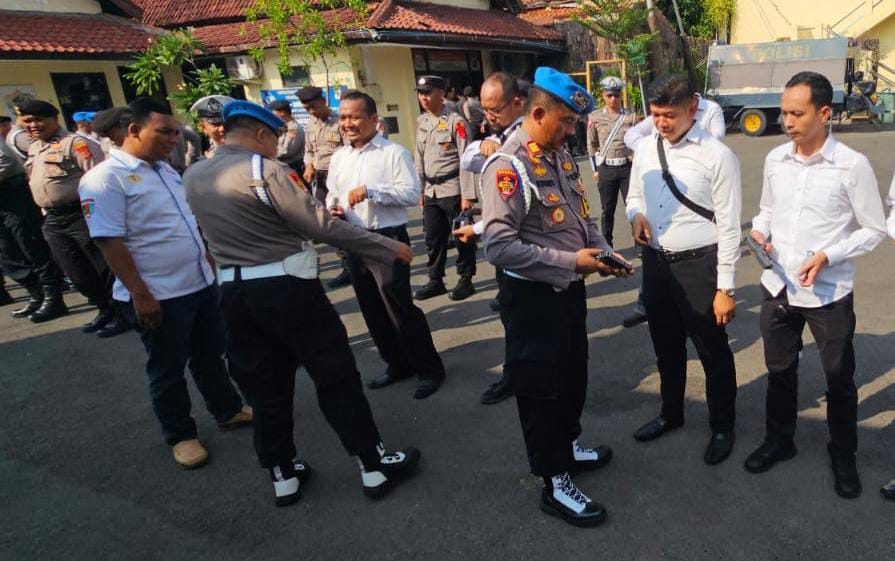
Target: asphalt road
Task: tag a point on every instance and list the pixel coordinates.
(85, 475)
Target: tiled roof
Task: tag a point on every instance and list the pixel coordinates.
(46, 32)
(548, 15)
(173, 13)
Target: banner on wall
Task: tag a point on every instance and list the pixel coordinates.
(14, 95)
(298, 111)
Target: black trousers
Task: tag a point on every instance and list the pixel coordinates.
(833, 328)
(612, 181)
(397, 326)
(275, 324)
(320, 191)
(546, 361)
(678, 298)
(24, 254)
(66, 232)
(438, 216)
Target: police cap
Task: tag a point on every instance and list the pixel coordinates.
(612, 84)
(281, 105)
(107, 119)
(36, 108)
(426, 84)
(309, 94)
(255, 111)
(83, 116)
(564, 88)
(210, 107)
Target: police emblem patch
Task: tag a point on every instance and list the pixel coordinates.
(82, 149)
(134, 178)
(553, 198)
(558, 216)
(580, 100)
(214, 105)
(461, 131)
(567, 166)
(87, 206)
(507, 182)
(540, 171)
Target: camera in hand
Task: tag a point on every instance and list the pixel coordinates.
(764, 260)
(465, 218)
(611, 260)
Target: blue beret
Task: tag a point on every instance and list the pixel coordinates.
(564, 88)
(253, 110)
(83, 116)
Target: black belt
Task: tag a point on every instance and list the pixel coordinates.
(61, 210)
(675, 256)
(442, 178)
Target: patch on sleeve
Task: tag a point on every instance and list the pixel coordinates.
(293, 175)
(507, 182)
(87, 206)
(461, 131)
(80, 146)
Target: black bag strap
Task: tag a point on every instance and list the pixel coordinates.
(669, 180)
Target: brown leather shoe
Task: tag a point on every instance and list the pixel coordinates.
(190, 454)
(242, 419)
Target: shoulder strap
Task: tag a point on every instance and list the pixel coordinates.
(611, 137)
(669, 180)
(258, 185)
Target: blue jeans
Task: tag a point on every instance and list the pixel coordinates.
(192, 331)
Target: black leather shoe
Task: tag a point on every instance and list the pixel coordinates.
(385, 468)
(386, 379)
(433, 288)
(342, 279)
(719, 448)
(35, 299)
(497, 392)
(768, 454)
(888, 490)
(587, 459)
(845, 473)
(103, 318)
(52, 307)
(463, 290)
(494, 304)
(560, 503)
(634, 318)
(656, 428)
(5, 297)
(428, 386)
(115, 327)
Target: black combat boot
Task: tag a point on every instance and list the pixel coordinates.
(435, 287)
(463, 290)
(53, 306)
(107, 312)
(35, 299)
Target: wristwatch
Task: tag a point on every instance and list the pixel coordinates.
(727, 291)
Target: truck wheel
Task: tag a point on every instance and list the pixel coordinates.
(753, 122)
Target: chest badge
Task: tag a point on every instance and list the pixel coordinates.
(442, 126)
(567, 166)
(540, 171)
(134, 178)
(558, 216)
(553, 198)
(507, 182)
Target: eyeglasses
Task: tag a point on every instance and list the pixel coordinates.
(498, 111)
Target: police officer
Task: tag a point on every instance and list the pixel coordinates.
(291, 149)
(210, 120)
(610, 158)
(188, 149)
(84, 124)
(24, 255)
(258, 220)
(57, 159)
(441, 138)
(108, 125)
(538, 228)
(18, 139)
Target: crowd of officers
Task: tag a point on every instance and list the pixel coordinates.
(211, 255)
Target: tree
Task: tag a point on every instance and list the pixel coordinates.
(177, 49)
(303, 26)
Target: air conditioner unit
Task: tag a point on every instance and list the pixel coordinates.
(243, 67)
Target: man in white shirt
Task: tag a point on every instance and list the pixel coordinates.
(819, 209)
(371, 182)
(710, 117)
(136, 210)
(684, 203)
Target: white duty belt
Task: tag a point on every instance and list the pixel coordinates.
(303, 265)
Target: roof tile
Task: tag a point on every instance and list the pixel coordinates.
(46, 32)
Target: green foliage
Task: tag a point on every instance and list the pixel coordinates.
(700, 18)
(622, 23)
(177, 49)
(719, 13)
(300, 25)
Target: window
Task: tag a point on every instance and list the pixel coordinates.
(299, 78)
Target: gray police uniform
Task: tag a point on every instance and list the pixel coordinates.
(322, 139)
(440, 140)
(55, 168)
(258, 221)
(536, 218)
(291, 146)
(613, 160)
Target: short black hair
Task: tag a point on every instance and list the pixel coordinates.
(509, 85)
(139, 110)
(5, 119)
(537, 96)
(357, 95)
(671, 90)
(820, 86)
(243, 122)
